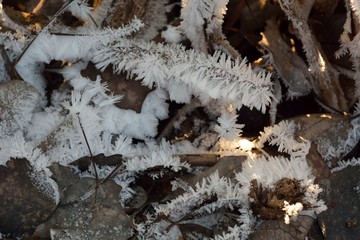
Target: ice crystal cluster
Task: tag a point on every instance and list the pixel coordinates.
(86, 114)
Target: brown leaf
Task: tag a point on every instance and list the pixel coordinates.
(84, 162)
(132, 91)
(226, 167)
(31, 21)
(325, 7)
(319, 168)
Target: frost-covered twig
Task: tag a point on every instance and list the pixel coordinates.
(202, 24)
(351, 46)
(200, 18)
(173, 68)
(69, 48)
(227, 127)
(282, 135)
(345, 163)
(196, 206)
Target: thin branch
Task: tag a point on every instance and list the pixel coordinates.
(88, 146)
(53, 18)
(38, 6)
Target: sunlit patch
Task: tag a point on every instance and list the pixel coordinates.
(302, 138)
(292, 42)
(241, 146)
(326, 116)
(258, 61)
(264, 40)
(323, 229)
(223, 10)
(262, 3)
(246, 145)
(322, 65)
(230, 108)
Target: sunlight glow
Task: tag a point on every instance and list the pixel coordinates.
(322, 66)
(264, 40)
(262, 3)
(230, 107)
(325, 116)
(223, 10)
(246, 145)
(292, 42)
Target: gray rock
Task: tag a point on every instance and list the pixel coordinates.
(23, 206)
(277, 229)
(342, 219)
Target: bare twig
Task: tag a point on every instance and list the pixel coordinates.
(88, 146)
(38, 6)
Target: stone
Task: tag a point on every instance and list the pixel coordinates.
(279, 230)
(339, 220)
(23, 206)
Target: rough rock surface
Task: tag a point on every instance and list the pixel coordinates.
(277, 229)
(22, 206)
(342, 219)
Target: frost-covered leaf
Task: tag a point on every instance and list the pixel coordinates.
(217, 76)
(321, 129)
(18, 102)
